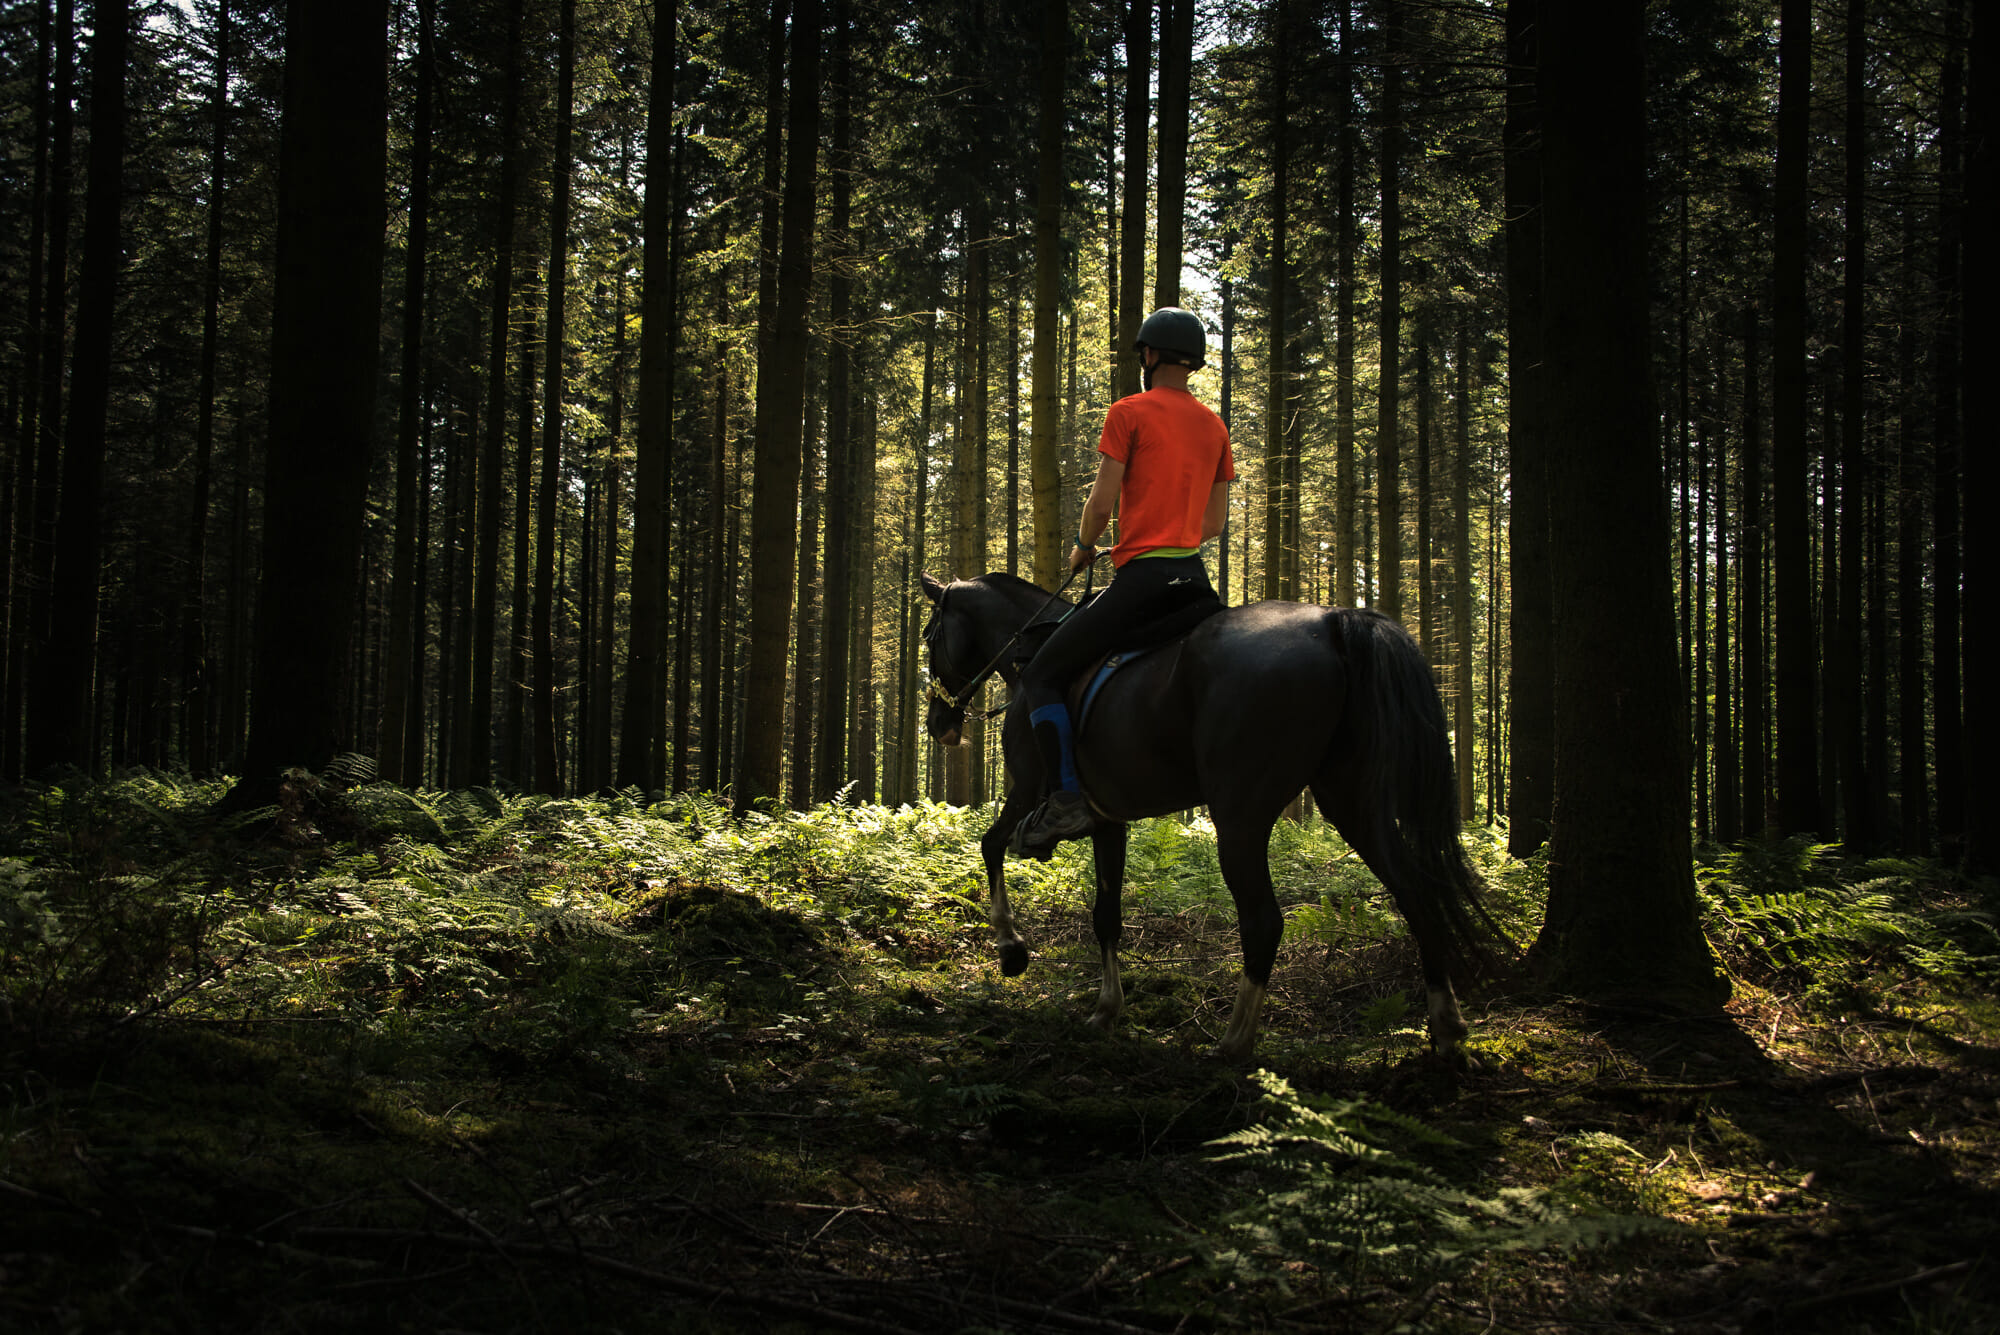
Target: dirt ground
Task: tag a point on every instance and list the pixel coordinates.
(886, 1135)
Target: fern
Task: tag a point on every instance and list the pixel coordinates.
(1350, 1198)
(1783, 907)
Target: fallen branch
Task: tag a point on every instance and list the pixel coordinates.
(1885, 1286)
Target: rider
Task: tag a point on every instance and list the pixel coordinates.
(1164, 463)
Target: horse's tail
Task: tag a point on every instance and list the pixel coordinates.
(1399, 770)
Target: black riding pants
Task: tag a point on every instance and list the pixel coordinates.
(1146, 590)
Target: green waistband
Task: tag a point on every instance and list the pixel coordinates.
(1169, 551)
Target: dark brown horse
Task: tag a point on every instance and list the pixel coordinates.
(1242, 713)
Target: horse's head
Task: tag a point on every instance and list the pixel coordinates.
(948, 642)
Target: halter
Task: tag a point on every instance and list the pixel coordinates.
(957, 701)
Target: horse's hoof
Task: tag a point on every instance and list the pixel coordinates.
(1013, 959)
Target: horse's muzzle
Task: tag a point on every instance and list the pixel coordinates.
(944, 722)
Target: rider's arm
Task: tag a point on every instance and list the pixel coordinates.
(1097, 510)
(1217, 513)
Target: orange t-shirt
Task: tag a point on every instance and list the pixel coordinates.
(1175, 449)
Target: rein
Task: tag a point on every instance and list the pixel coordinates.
(957, 701)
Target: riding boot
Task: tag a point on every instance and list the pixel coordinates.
(1064, 812)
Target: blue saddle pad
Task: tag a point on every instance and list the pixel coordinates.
(1103, 674)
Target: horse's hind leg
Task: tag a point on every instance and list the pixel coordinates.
(1448, 1028)
(993, 849)
(1107, 916)
(1243, 848)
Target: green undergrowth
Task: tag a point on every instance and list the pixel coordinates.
(481, 1060)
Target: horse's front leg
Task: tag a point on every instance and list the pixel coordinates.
(1107, 916)
(993, 848)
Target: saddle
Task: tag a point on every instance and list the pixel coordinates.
(1163, 630)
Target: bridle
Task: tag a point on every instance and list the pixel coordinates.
(956, 701)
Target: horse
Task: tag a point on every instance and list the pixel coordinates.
(1242, 713)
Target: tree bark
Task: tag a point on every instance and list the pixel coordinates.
(1345, 243)
(1946, 479)
(1176, 64)
(1044, 466)
(1132, 222)
(640, 734)
(779, 432)
(326, 323)
(1277, 337)
(60, 729)
(1461, 580)
(1621, 920)
(1750, 590)
(829, 763)
(1388, 438)
(548, 758)
(473, 760)
(1844, 699)
(1791, 558)
(195, 672)
(1982, 438)
(1531, 681)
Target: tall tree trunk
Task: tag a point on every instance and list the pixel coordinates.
(416, 720)
(829, 763)
(1388, 438)
(640, 734)
(779, 430)
(1426, 606)
(1728, 812)
(1621, 919)
(805, 634)
(1791, 558)
(1461, 578)
(1844, 698)
(325, 345)
(1346, 241)
(1176, 65)
(1131, 293)
(17, 513)
(1981, 317)
(514, 764)
(602, 771)
(1913, 441)
(714, 740)
(912, 701)
(1044, 464)
(548, 759)
(473, 760)
(60, 723)
(1531, 679)
(1277, 338)
(400, 687)
(42, 492)
(863, 746)
(198, 729)
(1750, 557)
(1946, 478)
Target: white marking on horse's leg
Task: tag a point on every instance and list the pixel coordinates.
(1241, 1036)
(1448, 1026)
(1110, 996)
(1013, 952)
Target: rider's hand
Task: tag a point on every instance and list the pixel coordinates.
(1081, 556)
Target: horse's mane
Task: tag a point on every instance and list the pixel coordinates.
(1001, 579)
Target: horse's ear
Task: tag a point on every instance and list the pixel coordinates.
(932, 589)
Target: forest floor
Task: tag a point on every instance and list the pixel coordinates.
(778, 1087)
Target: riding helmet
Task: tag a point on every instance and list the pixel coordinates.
(1171, 329)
